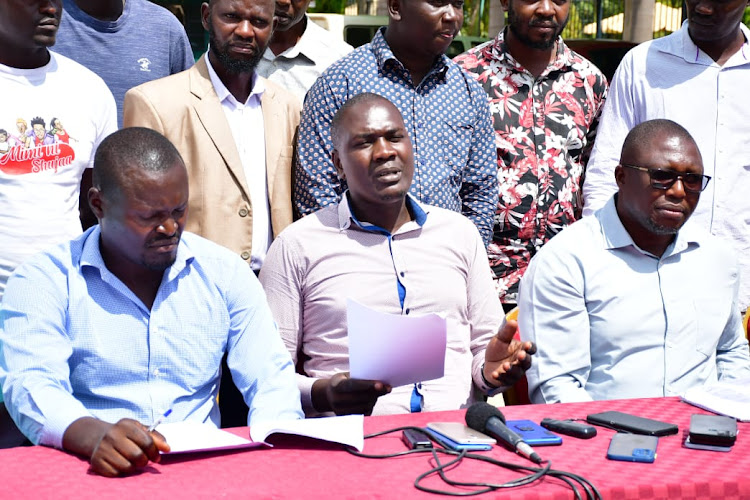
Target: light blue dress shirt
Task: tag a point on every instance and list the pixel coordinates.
(612, 321)
(671, 77)
(77, 342)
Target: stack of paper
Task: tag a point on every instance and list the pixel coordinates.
(727, 398)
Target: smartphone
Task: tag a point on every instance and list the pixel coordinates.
(416, 440)
(533, 434)
(712, 430)
(457, 436)
(705, 447)
(633, 448)
(632, 423)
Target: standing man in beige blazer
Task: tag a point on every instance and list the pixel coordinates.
(228, 123)
(235, 131)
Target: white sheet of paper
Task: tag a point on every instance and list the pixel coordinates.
(396, 349)
(347, 429)
(185, 437)
(731, 398)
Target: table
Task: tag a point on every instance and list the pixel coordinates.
(301, 468)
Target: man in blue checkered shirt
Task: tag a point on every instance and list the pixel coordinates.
(445, 112)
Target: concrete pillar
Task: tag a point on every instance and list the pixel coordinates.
(381, 8)
(639, 20)
(497, 18)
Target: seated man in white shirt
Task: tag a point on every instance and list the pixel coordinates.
(381, 248)
(625, 304)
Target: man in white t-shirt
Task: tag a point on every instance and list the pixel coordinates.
(40, 185)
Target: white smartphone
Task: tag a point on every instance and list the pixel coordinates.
(460, 433)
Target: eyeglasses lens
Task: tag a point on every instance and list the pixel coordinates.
(664, 179)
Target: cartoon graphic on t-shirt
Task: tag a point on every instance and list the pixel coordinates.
(35, 150)
(57, 131)
(4, 144)
(41, 137)
(22, 139)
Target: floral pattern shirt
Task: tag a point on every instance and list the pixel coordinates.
(544, 130)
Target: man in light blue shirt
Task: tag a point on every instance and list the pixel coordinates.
(133, 317)
(624, 304)
(698, 76)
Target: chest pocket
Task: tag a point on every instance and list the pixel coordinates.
(456, 139)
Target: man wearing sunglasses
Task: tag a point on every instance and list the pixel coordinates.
(698, 76)
(626, 304)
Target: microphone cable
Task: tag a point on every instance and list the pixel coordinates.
(532, 473)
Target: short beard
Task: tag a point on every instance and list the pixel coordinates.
(514, 22)
(159, 265)
(230, 64)
(658, 229)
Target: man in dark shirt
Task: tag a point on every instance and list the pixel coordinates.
(445, 111)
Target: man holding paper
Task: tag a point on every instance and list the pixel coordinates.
(105, 333)
(381, 248)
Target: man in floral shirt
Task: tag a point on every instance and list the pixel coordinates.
(545, 101)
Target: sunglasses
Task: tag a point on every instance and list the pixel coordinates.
(664, 179)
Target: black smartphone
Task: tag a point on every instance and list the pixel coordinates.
(632, 423)
(712, 430)
(416, 440)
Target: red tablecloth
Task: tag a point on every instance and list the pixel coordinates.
(303, 468)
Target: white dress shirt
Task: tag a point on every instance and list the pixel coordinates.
(297, 68)
(612, 321)
(672, 78)
(246, 122)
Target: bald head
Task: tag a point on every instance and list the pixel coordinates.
(645, 137)
(132, 149)
(660, 177)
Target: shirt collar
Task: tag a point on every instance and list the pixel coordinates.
(384, 54)
(498, 50)
(683, 45)
(91, 256)
(347, 217)
(221, 90)
(307, 46)
(616, 236)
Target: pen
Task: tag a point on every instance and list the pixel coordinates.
(159, 420)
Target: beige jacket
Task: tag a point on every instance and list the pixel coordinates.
(185, 108)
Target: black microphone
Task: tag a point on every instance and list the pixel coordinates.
(484, 417)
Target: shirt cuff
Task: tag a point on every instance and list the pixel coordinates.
(55, 427)
(305, 384)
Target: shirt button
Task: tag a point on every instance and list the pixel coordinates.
(156, 372)
(245, 255)
(243, 212)
(408, 310)
(402, 274)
